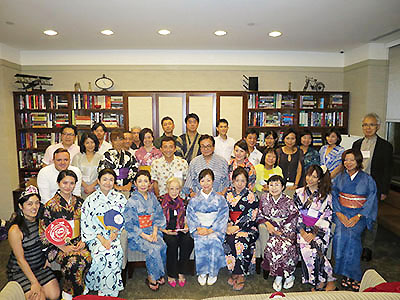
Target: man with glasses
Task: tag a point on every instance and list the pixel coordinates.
(377, 162)
(68, 135)
(207, 160)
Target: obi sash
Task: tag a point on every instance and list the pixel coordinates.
(206, 219)
(308, 220)
(352, 201)
(123, 173)
(145, 221)
(234, 215)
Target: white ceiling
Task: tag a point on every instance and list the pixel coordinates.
(307, 25)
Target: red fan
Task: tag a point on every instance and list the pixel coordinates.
(59, 232)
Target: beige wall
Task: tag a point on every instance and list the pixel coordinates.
(367, 83)
(393, 111)
(8, 157)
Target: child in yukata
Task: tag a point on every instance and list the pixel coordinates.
(143, 219)
(279, 214)
(207, 218)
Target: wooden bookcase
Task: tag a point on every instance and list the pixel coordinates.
(39, 115)
(280, 110)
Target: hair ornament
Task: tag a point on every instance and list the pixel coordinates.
(30, 190)
(324, 169)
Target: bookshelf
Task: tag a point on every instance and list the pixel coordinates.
(279, 110)
(39, 115)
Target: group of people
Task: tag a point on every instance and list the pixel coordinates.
(168, 196)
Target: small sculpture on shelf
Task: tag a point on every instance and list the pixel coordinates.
(313, 84)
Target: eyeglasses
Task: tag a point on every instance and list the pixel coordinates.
(68, 134)
(206, 146)
(369, 125)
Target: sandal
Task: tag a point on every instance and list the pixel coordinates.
(238, 284)
(161, 281)
(152, 285)
(319, 288)
(231, 280)
(346, 282)
(355, 286)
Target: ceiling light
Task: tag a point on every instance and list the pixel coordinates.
(164, 32)
(50, 32)
(275, 33)
(107, 32)
(220, 33)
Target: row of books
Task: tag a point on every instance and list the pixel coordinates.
(276, 119)
(31, 140)
(87, 101)
(311, 101)
(321, 119)
(41, 101)
(43, 120)
(110, 120)
(29, 159)
(272, 101)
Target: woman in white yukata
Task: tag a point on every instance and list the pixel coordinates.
(101, 225)
(207, 218)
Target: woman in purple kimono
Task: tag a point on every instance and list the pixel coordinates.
(355, 208)
(314, 202)
(279, 214)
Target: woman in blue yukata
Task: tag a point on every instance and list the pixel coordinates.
(207, 218)
(143, 219)
(331, 153)
(355, 207)
(101, 225)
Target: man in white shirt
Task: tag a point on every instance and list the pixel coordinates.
(47, 177)
(223, 144)
(68, 135)
(251, 139)
(99, 130)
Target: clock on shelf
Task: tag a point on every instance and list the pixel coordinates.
(104, 83)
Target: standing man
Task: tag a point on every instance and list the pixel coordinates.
(47, 177)
(68, 135)
(188, 143)
(207, 160)
(224, 144)
(251, 139)
(99, 130)
(377, 161)
(168, 127)
(128, 141)
(136, 140)
(167, 166)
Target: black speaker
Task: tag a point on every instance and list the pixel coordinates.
(253, 83)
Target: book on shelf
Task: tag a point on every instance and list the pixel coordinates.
(37, 120)
(288, 101)
(264, 119)
(317, 139)
(27, 175)
(32, 140)
(287, 119)
(307, 102)
(321, 119)
(271, 101)
(29, 159)
(336, 100)
(61, 119)
(88, 101)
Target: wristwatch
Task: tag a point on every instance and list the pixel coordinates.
(359, 215)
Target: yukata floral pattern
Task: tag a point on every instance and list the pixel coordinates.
(105, 271)
(248, 166)
(73, 266)
(316, 267)
(145, 158)
(240, 250)
(280, 254)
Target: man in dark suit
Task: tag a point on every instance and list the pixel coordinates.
(377, 161)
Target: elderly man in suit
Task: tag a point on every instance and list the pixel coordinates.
(377, 161)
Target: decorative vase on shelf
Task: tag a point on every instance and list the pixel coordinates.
(77, 87)
(90, 87)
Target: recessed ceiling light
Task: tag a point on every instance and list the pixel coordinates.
(50, 32)
(220, 33)
(107, 32)
(164, 32)
(275, 33)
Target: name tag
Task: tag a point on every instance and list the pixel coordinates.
(263, 182)
(289, 183)
(175, 213)
(366, 154)
(313, 213)
(178, 174)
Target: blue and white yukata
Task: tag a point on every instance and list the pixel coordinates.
(209, 211)
(105, 271)
(333, 159)
(140, 216)
(352, 197)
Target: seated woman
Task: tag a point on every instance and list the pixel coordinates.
(148, 152)
(102, 235)
(279, 214)
(143, 219)
(241, 152)
(331, 152)
(355, 208)
(207, 217)
(27, 263)
(242, 233)
(176, 234)
(87, 161)
(73, 256)
(314, 202)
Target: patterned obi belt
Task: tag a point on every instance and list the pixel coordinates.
(352, 201)
(145, 221)
(122, 173)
